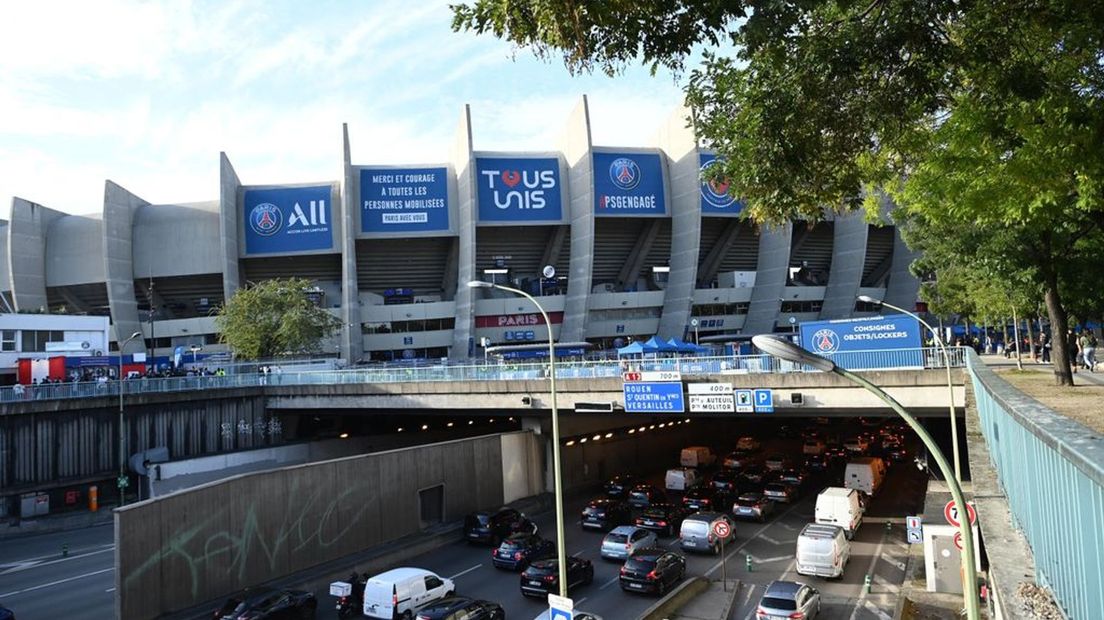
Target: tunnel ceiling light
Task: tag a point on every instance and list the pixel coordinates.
(570, 443)
(597, 437)
(687, 420)
(344, 435)
(491, 420)
(652, 426)
(641, 429)
(449, 425)
(511, 419)
(632, 430)
(425, 427)
(400, 429)
(608, 435)
(583, 440)
(470, 422)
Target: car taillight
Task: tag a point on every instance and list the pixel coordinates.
(624, 570)
(652, 574)
(395, 600)
(662, 524)
(628, 546)
(517, 555)
(495, 553)
(797, 615)
(760, 613)
(549, 578)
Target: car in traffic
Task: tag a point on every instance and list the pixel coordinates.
(644, 495)
(605, 514)
(652, 570)
(752, 476)
(788, 599)
(897, 453)
(268, 604)
(780, 492)
(699, 532)
(777, 462)
(856, 445)
(749, 443)
(813, 445)
(664, 519)
(794, 477)
(738, 459)
(753, 506)
(622, 541)
(543, 576)
(395, 593)
(491, 527)
(706, 498)
(818, 462)
(725, 481)
(461, 608)
(517, 551)
(619, 486)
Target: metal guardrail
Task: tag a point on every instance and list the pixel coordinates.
(1052, 471)
(687, 366)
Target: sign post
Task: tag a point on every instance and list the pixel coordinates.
(560, 608)
(913, 532)
(721, 530)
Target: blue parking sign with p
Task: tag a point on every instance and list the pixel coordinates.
(561, 614)
(764, 401)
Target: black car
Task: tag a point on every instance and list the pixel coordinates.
(543, 576)
(662, 518)
(461, 608)
(752, 476)
(644, 495)
(793, 477)
(491, 528)
(619, 486)
(605, 514)
(725, 481)
(268, 604)
(818, 462)
(704, 499)
(652, 570)
(738, 459)
(517, 551)
(780, 492)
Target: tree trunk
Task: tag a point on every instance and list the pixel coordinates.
(1031, 339)
(1060, 355)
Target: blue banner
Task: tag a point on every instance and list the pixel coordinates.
(288, 219)
(628, 184)
(653, 398)
(404, 199)
(516, 189)
(715, 199)
(882, 336)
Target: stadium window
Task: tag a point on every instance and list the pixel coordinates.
(7, 340)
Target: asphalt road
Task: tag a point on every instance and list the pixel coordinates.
(37, 582)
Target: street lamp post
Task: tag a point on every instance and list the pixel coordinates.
(782, 348)
(561, 555)
(122, 434)
(950, 385)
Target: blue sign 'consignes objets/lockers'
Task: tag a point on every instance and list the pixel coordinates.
(715, 199)
(628, 184)
(519, 189)
(893, 341)
(404, 200)
(288, 219)
(654, 397)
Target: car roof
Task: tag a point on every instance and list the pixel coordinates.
(449, 602)
(783, 589)
(704, 516)
(399, 574)
(648, 553)
(820, 530)
(837, 492)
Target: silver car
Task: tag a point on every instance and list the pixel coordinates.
(622, 541)
(789, 599)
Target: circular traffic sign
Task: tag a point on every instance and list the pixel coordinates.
(950, 513)
(721, 529)
(958, 540)
(693, 322)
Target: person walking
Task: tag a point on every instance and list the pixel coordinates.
(1071, 349)
(1087, 343)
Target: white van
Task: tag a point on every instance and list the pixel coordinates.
(682, 479)
(839, 506)
(398, 591)
(822, 551)
(865, 474)
(697, 456)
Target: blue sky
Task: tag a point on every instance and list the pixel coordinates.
(147, 94)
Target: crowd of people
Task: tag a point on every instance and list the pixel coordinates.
(1080, 345)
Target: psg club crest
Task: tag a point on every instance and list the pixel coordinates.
(825, 341)
(715, 192)
(266, 219)
(624, 173)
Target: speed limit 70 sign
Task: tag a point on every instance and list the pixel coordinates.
(951, 513)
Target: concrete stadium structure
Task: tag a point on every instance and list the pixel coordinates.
(639, 246)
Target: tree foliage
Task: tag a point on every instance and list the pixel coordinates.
(274, 317)
(978, 117)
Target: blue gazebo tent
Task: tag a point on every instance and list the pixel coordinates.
(656, 344)
(635, 348)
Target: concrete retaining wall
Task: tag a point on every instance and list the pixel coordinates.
(207, 542)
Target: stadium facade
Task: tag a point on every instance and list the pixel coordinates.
(637, 244)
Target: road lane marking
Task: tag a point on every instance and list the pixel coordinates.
(860, 603)
(758, 534)
(609, 583)
(877, 612)
(109, 590)
(465, 572)
(768, 539)
(56, 583)
(29, 564)
(769, 560)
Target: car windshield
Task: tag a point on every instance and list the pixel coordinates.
(511, 544)
(640, 495)
(774, 486)
(616, 538)
(542, 568)
(748, 501)
(595, 511)
(771, 602)
(481, 519)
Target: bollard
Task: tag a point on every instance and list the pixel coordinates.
(65, 550)
(866, 584)
(747, 562)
